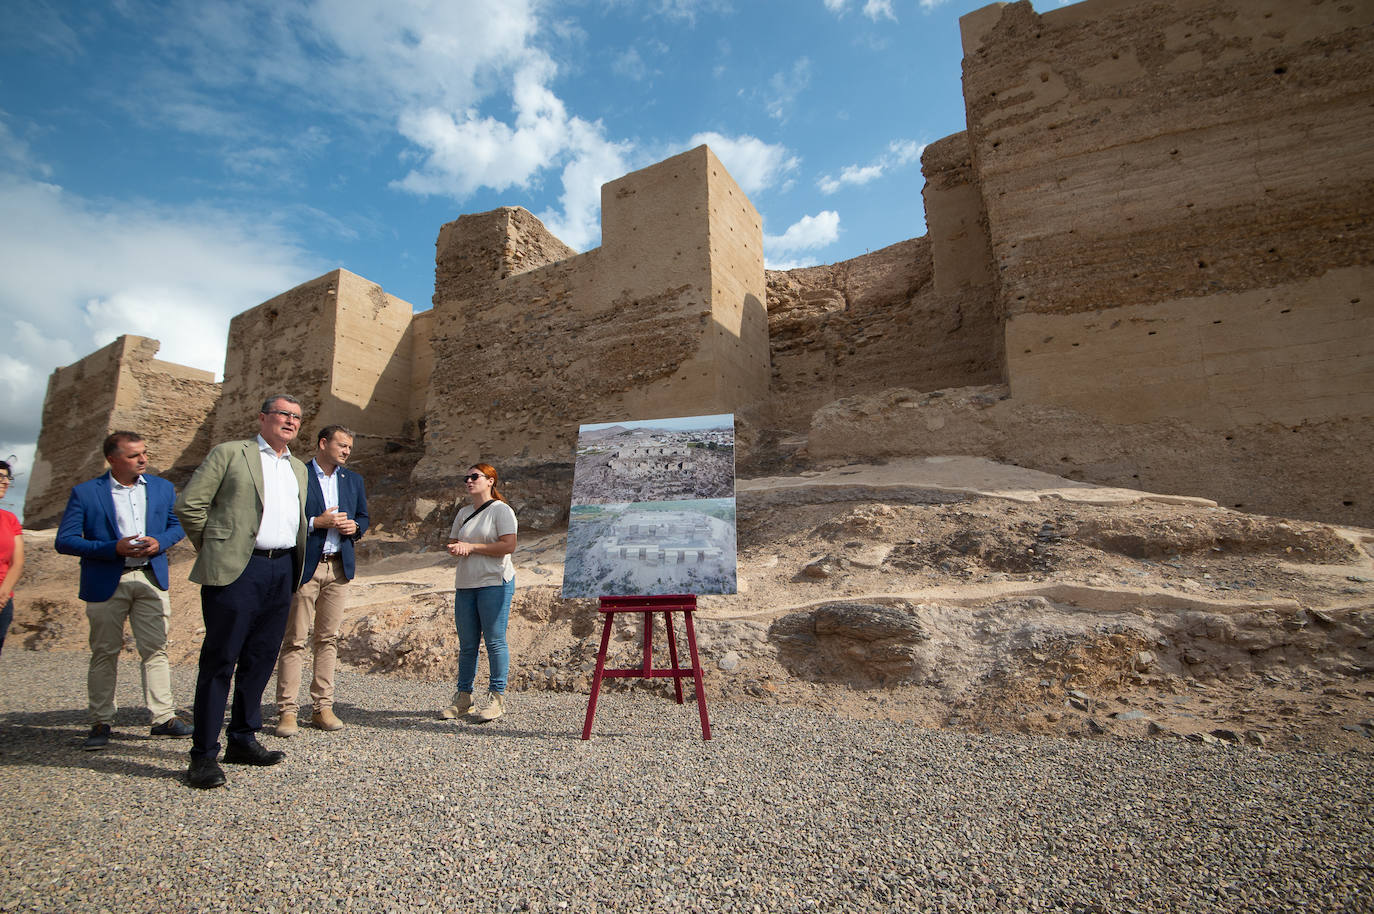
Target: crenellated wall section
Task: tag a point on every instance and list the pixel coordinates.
(665, 318)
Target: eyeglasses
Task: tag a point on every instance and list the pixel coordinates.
(472, 477)
(6, 479)
(283, 413)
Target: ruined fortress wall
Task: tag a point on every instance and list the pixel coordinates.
(418, 338)
(1178, 198)
(919, 314)
(119, 387)
(627, 330)
(338, 344)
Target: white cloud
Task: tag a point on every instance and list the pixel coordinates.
(466, 84)
(754, 164)
(874, 9)
(595, 162)
(784, 87)
(15, 151)
(898, 153)
(78, 274)
(880, 9)
(630, 65)
(809, 233)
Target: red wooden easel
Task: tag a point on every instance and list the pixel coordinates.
(646, 607)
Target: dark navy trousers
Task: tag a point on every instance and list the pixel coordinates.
(244, 624)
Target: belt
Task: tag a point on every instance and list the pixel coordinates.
(144, 567)
(273, 553)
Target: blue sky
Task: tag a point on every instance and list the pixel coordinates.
(165, 165)
(683, 423)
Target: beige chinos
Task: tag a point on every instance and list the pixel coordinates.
(149, 613)
(320, 600)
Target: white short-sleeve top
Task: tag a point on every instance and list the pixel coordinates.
(495, 521)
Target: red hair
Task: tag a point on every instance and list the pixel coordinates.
(489, 471)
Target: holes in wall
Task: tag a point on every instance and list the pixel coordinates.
(1348, 504)
(1286, 311)
(1280, 70)
(1202, 264)
(1238, 505)
(1173, 152)
(1152, 332)
(1230, 437)
(1216, 322)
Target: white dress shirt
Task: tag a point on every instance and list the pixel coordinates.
(281, 500)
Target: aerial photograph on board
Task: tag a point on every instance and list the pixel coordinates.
(664, 547)
(692, 457)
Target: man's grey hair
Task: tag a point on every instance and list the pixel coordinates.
(267, 404)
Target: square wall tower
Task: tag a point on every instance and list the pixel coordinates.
(339, 344)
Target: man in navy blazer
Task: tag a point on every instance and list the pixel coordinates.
(121, 525)
(336, 516)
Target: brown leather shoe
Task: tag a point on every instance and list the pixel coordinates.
(325, 719)
(286, 724)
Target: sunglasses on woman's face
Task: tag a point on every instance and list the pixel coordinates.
(472, 477)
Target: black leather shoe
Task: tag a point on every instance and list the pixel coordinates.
(171, 728)
(251, 754)
(205, 773)
(98, 738)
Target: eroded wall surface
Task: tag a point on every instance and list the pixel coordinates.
(120, 387)
(1178, 197)
(919, 314)
(666, 318)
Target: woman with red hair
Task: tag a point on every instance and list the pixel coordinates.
(482, 539)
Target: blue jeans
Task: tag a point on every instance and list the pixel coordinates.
(6, 617)
(481, 613)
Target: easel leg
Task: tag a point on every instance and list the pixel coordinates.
(696, 676)
(672, 652)
(600, 670)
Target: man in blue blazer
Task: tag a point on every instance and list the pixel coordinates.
(121, 525)
(336, 516)
(335, 510)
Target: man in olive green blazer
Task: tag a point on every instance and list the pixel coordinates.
(244, 511)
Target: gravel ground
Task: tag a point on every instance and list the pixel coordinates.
(783, 810)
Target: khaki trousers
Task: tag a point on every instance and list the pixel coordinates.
(149, 613)
(319, 600)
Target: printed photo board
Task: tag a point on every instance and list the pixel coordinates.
(653, 508)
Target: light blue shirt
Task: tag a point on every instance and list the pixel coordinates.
(131, 512)
(329, 486)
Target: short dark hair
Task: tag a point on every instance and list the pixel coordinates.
(329, 431)
(267, 404)
(115, 439)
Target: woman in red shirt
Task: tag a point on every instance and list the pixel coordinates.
(11, 554)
